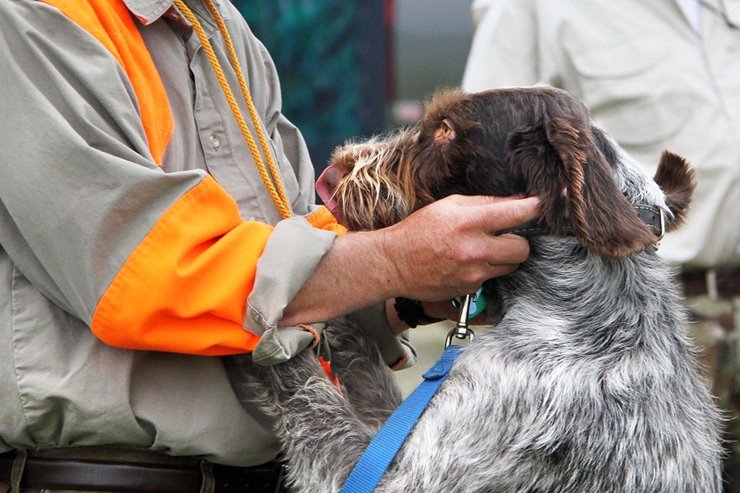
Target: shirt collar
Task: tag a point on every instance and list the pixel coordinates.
(148, 11)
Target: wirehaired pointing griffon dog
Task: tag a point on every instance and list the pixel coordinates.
(588, 383)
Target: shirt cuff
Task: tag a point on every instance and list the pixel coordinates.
(291, 255)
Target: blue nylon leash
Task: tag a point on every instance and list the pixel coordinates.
(380, 453)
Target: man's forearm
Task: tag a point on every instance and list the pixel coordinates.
(354, 273)
(443, 250)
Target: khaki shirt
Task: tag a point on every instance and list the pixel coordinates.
(649, 78)
(78, 192)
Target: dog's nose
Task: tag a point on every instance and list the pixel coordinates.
(327, 183)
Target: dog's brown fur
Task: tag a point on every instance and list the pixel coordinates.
(554, 153)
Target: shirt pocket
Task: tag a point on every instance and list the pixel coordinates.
(632, 90)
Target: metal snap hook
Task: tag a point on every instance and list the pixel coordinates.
(461, 330)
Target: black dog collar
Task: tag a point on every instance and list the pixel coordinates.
(651, 215)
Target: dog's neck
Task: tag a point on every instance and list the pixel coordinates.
(574, 301)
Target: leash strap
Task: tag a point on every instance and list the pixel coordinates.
(380, 453)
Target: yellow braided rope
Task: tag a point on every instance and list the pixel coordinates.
(247, 96)
(277, 193)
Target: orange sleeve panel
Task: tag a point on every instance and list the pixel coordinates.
(111, 23)
(184, 288)
(322, 218)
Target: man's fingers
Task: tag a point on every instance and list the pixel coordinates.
(503, 214)
(480, 200)
(508, 249)
(499, 270)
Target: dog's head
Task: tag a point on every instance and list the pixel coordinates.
(519, 141)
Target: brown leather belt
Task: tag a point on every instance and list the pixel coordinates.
(723, 282)
(90, 475)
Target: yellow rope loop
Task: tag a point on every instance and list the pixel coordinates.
(247, 97)
(278, 198)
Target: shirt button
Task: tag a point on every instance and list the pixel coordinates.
(214, 140)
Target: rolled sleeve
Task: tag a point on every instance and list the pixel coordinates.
(291, 255)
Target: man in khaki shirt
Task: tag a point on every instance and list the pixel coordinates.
(149, 224)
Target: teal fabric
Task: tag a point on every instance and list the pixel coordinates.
(315, 52)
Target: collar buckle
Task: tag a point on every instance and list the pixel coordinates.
(662, 223)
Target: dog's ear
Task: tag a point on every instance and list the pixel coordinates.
(434, 168)
(560, 162)
(678, 181)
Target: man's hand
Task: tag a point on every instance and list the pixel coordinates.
(444, 250)
(449, 248)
